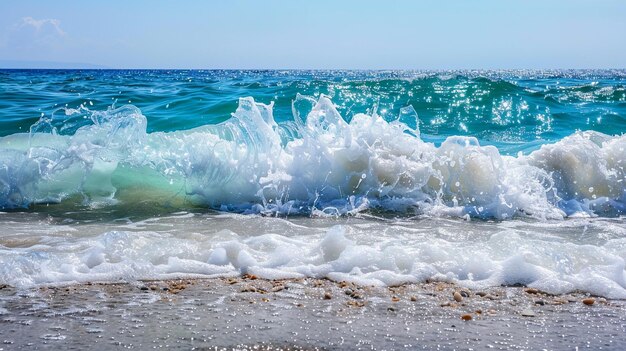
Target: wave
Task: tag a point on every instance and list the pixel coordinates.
(316, 164)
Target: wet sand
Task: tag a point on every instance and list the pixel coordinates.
(249, 313)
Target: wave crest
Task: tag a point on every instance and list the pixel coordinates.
(317, 164)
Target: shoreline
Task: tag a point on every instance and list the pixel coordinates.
(247, 312)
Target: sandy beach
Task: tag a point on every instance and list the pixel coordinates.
(250, 313)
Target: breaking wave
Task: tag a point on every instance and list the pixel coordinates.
(316, 164)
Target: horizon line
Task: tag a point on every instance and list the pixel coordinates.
(305, 69)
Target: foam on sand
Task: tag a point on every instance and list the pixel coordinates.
(367, 253)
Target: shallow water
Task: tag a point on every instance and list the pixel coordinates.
(555, 256)
(384, 178)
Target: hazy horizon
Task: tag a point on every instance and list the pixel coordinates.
(52, 65)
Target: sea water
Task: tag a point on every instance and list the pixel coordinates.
(481, 178)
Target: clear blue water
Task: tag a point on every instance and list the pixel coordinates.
(515, 111)
(376, 177)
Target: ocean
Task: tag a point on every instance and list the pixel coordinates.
(480, 178)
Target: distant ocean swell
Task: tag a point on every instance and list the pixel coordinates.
(316, 163)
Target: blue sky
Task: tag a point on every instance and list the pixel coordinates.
(444, 34)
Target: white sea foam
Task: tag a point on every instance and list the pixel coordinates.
(317, 164)
(371, 253)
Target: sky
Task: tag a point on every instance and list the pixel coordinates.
(322, 34)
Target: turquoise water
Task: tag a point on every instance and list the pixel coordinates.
(155, 121)
(518, 110)
(380, 178)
